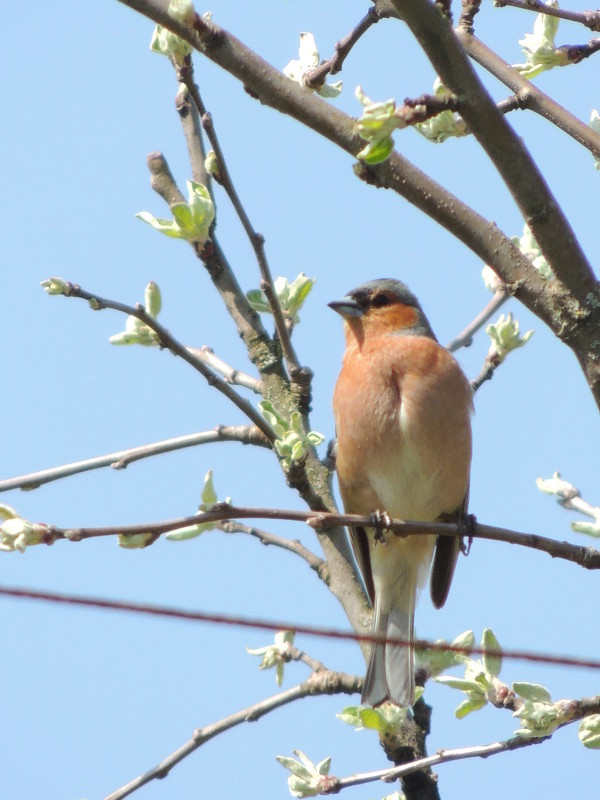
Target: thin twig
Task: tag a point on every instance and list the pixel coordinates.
(261, 349)
(441, 757)
(587, 557)
(569, 497)
(509, 104)
(465, 337)
(315, 78)
(591, 19)
(295, 654)
(578, 52)
(162, 180)
(192, 130)
(256, 239)
(169, 342)
(318, 683)
(231, 375)
(489, 367)
(245, 434)
(317, 564)
(578, 709)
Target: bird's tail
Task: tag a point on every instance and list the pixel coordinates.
(390, 675)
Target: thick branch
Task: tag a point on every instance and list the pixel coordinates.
(506, 150)
(527, 94)
(551, 302)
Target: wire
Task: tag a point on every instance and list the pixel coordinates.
(270, 625)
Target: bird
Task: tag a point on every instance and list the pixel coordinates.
(402, 407)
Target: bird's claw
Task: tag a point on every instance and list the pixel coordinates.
(466, 526)
(380, 521)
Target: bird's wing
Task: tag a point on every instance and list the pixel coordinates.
(360, 548)
(445, 557)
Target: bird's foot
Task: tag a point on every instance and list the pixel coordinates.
(466, 526)
(380, 522)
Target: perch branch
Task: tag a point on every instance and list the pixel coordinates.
(587, 557)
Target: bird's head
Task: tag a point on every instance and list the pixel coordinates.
(383, 306)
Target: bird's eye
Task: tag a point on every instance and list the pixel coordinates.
(380, 300)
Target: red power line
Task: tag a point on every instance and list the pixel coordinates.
(308, 630)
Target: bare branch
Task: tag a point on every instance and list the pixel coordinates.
(583, 708)
(315, 78)
(318, 683)
(245, 434)
(162, 180)
(489, 366)
(505, 149)
(192, 130)
(591, 19)
(231, 375)
(293, 546)
(168, 341)
(465, 338)
(299, 655)
(441, 757)
(528, 95)
(256, 239)
(587, 557)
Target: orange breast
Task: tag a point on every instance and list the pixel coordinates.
(402, 408)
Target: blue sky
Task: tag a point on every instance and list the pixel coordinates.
(92, 699)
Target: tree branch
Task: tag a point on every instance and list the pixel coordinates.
(168, 341)
(563, 307)
(527, 94)
(329, 523)
(465, 337)
(586, 707)
(261, 350)
(293, 546)
(315, 78)
(192, 130)
(231, 374)
(245, 434)
(591, 19)
(505, 149)
(318, 683)
(256, 239)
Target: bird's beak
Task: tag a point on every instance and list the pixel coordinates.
(347, 307)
